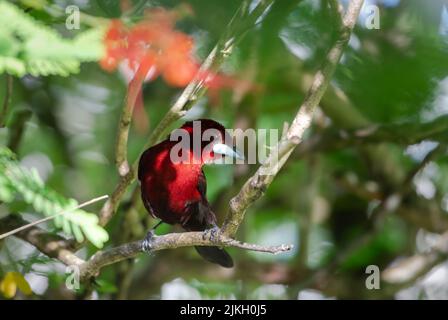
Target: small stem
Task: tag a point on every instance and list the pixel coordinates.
(17, 128)
(408, 270)
(134, 89)
(440, 149)
(7, 100)
(89, 20)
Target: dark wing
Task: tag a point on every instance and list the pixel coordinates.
(199, 215)
(142, 162)
(204, 209)
(201, 218)
(202, 186)
(147, 205)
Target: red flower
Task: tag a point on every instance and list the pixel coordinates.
(153, 47)
(152, 41)
(115, 45)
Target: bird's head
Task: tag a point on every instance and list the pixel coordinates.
(206, 141)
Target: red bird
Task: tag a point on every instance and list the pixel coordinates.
(173, 184)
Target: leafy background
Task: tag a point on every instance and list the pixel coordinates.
(69, 108)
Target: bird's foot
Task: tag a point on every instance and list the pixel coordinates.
(211, 234)
(147, 242)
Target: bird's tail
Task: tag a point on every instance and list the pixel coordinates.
(200, 222)
(216, 255)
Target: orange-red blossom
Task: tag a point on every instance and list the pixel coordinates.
(152, 46)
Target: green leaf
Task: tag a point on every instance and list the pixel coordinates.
(27, 46)
(18, 181)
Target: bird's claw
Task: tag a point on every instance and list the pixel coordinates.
(211, 234)
(147, 242)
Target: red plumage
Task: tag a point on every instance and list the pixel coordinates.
(175, 192)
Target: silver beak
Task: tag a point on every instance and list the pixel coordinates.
(224, 149)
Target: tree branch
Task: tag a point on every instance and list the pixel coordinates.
(255, 187)
(337, 9)
(409, 270)
(236, 29)
(169, 241)
(134, 88)
(57, 247)
(17, 128)
(440, 149)
(404, 134)
(51, 245)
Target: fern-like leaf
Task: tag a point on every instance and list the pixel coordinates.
(16, 180)
(27, 46)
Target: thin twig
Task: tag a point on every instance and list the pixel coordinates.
(49, 244)
(440, 149)
(409, 270)
(121, 153)
(407, 133)
(29, 225)
(337, 9)
(7, 100)
(236, 29)
(17, 128)
(393, 200)
(88, 20)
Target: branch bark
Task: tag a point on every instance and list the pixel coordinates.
(255, 187)
(51, 245)
(169, 241)
(134, 88)
(409, 270)
(57, 247)
(404, 134)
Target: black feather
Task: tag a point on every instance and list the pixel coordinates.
(216, 255)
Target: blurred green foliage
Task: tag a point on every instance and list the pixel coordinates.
(28, 46)
(16, 180)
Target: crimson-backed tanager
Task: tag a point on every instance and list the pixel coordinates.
(173, 184)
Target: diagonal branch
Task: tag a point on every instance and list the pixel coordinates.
(51, 245)
(255, 187)
(407, 271)
(407, 133)
(242, 21)
(134, 87)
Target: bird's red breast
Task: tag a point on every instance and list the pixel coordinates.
(169, 187)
